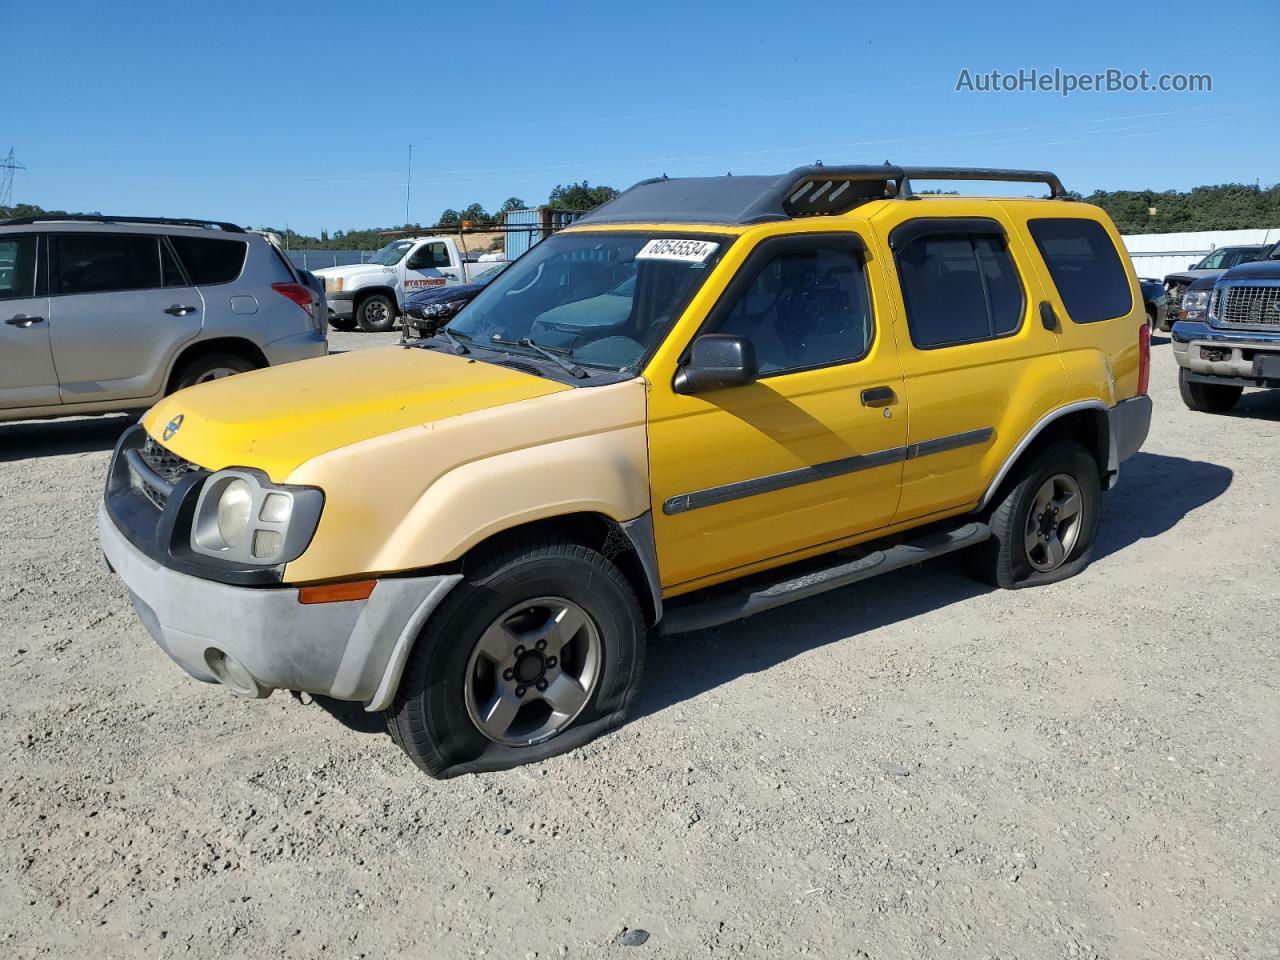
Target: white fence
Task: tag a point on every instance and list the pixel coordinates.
(1155, 254)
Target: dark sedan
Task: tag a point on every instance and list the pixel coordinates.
(428, 310)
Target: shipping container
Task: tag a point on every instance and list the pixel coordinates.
(540, 223)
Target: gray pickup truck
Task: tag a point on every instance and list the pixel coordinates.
(1236, 342)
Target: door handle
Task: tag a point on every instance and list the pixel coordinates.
(178, 310)
(878, 397)
(1047, 317)
(22, 320)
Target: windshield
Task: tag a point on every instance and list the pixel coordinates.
(604, 300)
(392, 253)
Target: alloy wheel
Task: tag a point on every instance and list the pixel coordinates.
(1054, 523)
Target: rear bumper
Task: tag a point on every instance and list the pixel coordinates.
(257, 639)
(302, 346)
(1130, 422)
(1234, 353)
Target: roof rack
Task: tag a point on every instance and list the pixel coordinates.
(807, 191)
(98, 218)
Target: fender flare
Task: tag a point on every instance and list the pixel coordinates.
(1113, 458)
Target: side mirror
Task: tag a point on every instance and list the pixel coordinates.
(717, 360)
(1192, 266)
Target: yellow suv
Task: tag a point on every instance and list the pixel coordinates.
(707, 398)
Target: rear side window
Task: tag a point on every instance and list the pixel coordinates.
(804, 309)
(103, 262)
(210, 260)
(959, 288)
(1085, 268)
(17, 267)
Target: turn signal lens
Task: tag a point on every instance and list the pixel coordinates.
(337, 592)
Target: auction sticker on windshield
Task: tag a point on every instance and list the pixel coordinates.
(685, 251)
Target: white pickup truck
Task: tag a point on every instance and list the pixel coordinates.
(373, 294)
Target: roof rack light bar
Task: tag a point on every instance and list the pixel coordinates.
(95, 218)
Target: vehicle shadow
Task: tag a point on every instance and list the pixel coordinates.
(351, 715)
(1154, 494)
(1257, 405)
(55, 438)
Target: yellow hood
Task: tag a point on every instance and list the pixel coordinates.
(279, 418)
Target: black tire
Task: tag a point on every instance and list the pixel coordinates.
(1152, 323)
(343, 323)
(210, 366)
(429, 718)
(376, 313)
(1207, 397)
(1004, 560)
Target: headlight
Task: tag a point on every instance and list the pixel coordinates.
(242, 517)
(437, 309)
(1194, 304)
(233, 511)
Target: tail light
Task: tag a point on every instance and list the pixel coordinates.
(300, 294)
(1144, 359)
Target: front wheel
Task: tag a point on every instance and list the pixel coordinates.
(538, 650)
(1044, 527)
(1207, 397)
(343, 323)
(376, 313)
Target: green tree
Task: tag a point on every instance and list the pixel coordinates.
(511, 203)
(477, 214)
(580, 196)
(450, 218)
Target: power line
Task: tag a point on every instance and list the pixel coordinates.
(8, 167)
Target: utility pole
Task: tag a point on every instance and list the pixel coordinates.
(8, 167)
(407, 184)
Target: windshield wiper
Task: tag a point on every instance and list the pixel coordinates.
(567, 365)
(455, 344)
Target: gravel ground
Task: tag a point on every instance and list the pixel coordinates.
(913, 767)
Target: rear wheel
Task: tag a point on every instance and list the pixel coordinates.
(211, 366)
(1207, 397)
(538, 650)
(376, 313)
(1044, 526)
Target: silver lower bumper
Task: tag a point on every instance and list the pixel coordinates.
(1235, 348)
(254, 640)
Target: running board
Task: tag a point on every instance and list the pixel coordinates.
(722, 608)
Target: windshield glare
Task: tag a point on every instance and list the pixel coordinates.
(392, 253)
(589, 296)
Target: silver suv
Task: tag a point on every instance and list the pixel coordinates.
(112, 313)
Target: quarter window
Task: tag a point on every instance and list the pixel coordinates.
(805, 308)
(959, 288)
(17, 268)
(210, 260)
(1085, 268)
(103, 262)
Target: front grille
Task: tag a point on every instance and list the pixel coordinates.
(168, 466)
(1250, 306)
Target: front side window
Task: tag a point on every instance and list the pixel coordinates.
(17, 268)
(603, 300)
(1085, 268)
(803, 309)
(959, 288)
(103, 262)
(210, 260)
(1213, 261)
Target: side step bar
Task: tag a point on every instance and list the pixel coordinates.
(726, 608)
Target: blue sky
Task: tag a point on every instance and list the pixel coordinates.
(302, 113)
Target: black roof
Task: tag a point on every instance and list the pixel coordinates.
(804, 192)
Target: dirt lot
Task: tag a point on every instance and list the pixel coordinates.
(913, 767)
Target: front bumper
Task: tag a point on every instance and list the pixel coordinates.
(258, 639)
(341, 305)
(1237, 354)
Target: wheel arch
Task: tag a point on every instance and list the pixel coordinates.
(1086, 422)
(193, 351)
(629, 544)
